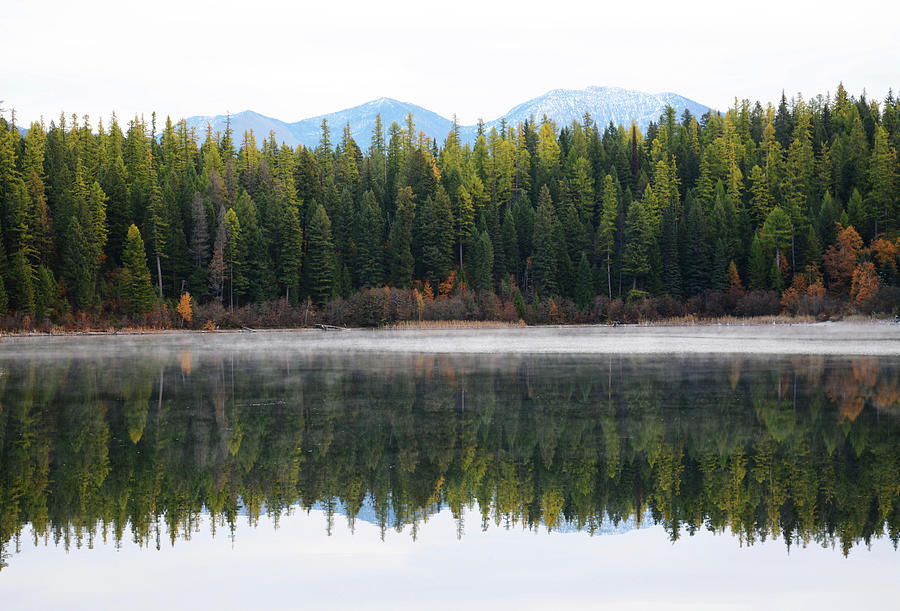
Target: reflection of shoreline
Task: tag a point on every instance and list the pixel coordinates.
(803, 448)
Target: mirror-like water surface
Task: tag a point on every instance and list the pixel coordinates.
(120, 458)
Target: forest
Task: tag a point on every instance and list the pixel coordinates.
(793, 209)
(149, 449)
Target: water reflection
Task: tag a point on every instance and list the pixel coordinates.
(139, 447)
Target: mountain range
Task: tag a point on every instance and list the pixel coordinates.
(606, 104)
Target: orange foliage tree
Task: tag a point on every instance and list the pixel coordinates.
(865, 283)
(841, 258)
(184, 308)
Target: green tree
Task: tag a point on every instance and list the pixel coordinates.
(370, 235)
(319, 263)
(606, 232)
(136, 289)
(543, 261)
(436, 236)
(481, 261)
(234, 255)
(399, 252)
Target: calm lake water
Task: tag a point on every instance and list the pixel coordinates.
(192, 473)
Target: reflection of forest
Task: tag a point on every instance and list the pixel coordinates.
(802, 448)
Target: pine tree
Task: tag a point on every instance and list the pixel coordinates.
(199, 249)
(319, 263)
(668, 245)
(234, 255)
(777, 232)
(136, 289)
(883, 176)
(370, 232)
(217, 271)
(157, 223)
(636, 260)
(77, 266)
(758, 269)
(290, 237)
(584, 289)
(543, 261)
(606, 232)
(510, 241)
(436, 236)
(481, 261)
(400, 257)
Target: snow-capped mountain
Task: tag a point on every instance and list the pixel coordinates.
(362, 122)
(606, 104)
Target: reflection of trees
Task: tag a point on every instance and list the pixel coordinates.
(803, 449)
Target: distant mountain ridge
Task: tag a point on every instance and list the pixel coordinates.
(605, 104)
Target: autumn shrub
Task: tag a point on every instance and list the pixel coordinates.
(368, 308)
(616, 310)
(885, 301)
(212, 312)
(758, 303)
(668, 307)
(489, 306)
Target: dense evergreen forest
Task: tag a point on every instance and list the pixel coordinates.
(755, 211)
(802, 448)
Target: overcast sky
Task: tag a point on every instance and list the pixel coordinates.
(474, 58)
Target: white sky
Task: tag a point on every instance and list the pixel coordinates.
(299, 566)
(474, 58)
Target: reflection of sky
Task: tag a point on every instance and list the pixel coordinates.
(300, 566)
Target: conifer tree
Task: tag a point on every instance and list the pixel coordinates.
(291, 248)
(234, 255)
(319, 263)
(510, 242)
(436, 236)
(217, 269)
(758, 269)
(136, 289)
(481, 261)
(668, 246)
(400, 257)
(584, 289)
(543, 261)
(883, 178)
(606, 232)
(370, 234)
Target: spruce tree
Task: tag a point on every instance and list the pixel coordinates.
(319, 263)
(400, 259)
(234, 255)
(481, 261)
(758, 272)
(543, 261)
(290, 237)
(584, 289)
(436, 236)
(668, 246)
(510, 242)
(136, 289)
(370, 231)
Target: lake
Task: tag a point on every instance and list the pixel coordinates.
(581, 467)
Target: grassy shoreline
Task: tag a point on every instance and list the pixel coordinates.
(449, 325)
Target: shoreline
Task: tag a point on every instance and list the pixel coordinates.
(471, 325)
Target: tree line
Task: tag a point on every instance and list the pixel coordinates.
(799, 200)
(799, 448)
